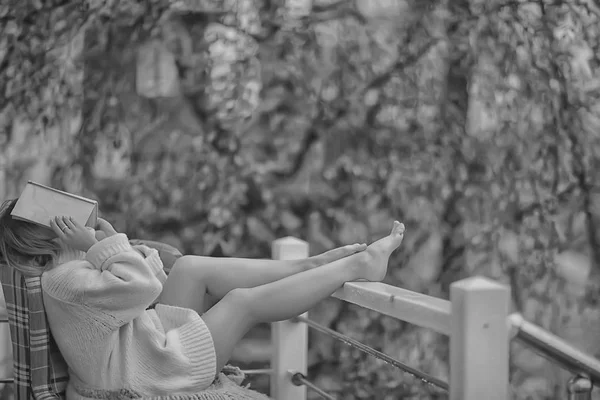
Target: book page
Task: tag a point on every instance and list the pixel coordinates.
(39, 204)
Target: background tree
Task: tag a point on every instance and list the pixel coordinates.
(220, 125)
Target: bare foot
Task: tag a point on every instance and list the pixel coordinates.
(375, 263)
(335, 254)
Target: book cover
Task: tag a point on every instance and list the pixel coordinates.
(38, 204)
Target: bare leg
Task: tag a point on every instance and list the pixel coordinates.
(231, 318)
(193, 276)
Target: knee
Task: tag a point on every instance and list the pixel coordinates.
(240, 299)
(185, 264)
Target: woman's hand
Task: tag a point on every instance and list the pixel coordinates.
(104, 229)
(73, 233)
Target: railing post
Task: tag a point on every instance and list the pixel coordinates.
(579, 387)
(479, 340)
(290, 339)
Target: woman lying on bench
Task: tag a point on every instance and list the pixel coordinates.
(97, 291)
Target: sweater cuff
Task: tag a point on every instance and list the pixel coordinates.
(197, 343)
(101, 251)
(153, 259)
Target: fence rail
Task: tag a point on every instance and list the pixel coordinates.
(555, 349)
(424, 377)
(476, 318)
(412, 307)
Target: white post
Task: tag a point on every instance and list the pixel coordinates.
(479, 340)
(290, 339)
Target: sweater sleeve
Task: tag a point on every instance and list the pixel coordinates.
(115, 280)
(152, 257)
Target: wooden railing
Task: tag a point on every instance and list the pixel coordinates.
(476, 319)
(475, 316)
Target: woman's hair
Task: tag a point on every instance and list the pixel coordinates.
(24, 245)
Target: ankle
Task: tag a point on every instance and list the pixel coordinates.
(360, 265)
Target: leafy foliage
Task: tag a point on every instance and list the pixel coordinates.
(220, 125)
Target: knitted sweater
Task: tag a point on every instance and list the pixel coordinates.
(96, 303)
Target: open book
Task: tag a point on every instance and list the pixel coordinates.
(38, 204)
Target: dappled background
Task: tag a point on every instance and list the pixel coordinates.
(220, 125)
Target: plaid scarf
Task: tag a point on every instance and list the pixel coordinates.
(40, 372)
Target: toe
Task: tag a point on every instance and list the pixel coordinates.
(398, 228)
(401, 228)
(358, 247)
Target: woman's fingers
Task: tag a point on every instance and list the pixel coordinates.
(106, 227)
(55, 227)
(69, 222)
(100, 235)
(60, 223)
(63, 224)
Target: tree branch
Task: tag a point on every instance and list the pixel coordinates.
(400, 64)
(577, 151)
(340, 9)
(533, 207)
